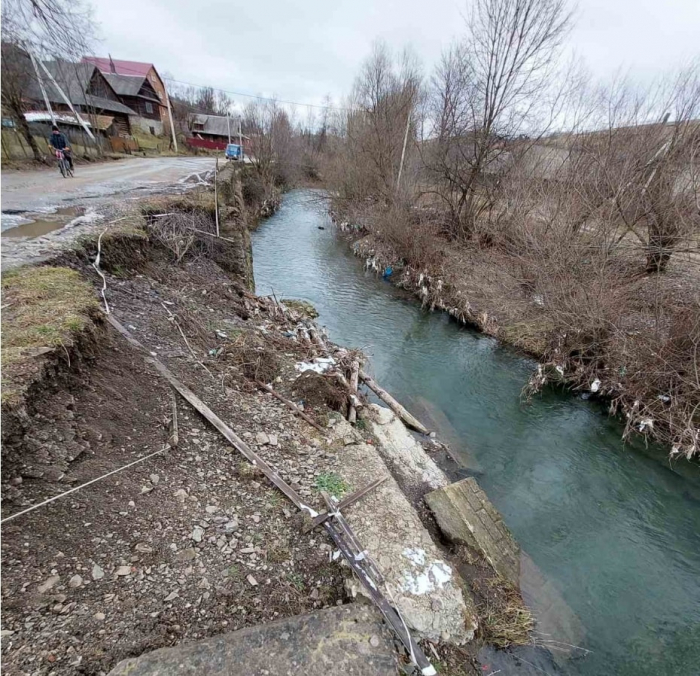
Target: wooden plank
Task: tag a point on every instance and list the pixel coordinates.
(393, 404)
(345, 502)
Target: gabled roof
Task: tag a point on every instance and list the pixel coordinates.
(134, 68)
(214, 124)
(74, 79)
(125, 85)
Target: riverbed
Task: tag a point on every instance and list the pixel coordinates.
(611, 531)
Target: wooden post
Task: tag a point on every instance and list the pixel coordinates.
(393, 404)
(216, 195)
(67, 100)
(43, 89)
(352, 396)
(170, 117)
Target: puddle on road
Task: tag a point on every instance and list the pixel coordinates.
(42, 224)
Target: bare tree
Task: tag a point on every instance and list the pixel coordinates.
(380, 115)
(486, 91)
(17, 77)
(49, 27)
(272, 141)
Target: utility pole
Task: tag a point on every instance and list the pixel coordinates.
(228, 124)
(403, 152)
(170, 117)
(43, 90)
(67, 100)
(240, 136)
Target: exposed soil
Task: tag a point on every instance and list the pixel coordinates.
(185, 545)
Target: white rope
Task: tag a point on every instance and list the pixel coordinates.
(77, 488)
(96, 265)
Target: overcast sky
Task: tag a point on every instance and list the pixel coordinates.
(302, 50)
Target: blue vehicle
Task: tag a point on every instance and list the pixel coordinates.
(234, 152)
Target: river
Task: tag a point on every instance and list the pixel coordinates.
(613, 529)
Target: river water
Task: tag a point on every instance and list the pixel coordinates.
(612, 532)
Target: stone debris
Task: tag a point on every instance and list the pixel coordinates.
(48, 584)
(123, 571)
(197, 534)
(97, 572)
(75, 581)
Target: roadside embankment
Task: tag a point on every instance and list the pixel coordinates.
(130, 523)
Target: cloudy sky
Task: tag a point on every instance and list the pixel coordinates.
(302, 50)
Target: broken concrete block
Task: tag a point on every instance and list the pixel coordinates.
(351, 640)
(425, 588)
(415, 470)
(466, 516)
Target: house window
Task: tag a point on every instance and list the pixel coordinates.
(149, 107)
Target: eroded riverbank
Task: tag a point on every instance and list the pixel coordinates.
(613, 529)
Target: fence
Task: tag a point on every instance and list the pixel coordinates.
(204, 143)
(15, 146)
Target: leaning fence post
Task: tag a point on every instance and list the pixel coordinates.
(216, 195)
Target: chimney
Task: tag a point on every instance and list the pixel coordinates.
(112, 67)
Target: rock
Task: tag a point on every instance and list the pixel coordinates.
(49, 583)
(197, 534)
(466, 516)
(188, 554)
(99, 616)
(171, 596)
(75, 581)
(273, 440)
(97, 572)
(231, 525)
(143, 548)
(181, 495)
(251, 581)
(124, 570)
(331, 641)
(211, 509)
(154, 479)
(261, 439)
(374, 641)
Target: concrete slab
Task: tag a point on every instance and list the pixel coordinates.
(426, 589)
(465, 515)
(414, 468)
(350, 640)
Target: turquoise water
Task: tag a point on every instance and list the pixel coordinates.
(613, 530)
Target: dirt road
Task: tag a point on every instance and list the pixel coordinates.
(37, 191)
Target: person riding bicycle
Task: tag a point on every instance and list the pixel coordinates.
(58, 142)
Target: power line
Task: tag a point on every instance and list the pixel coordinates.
(225, 91)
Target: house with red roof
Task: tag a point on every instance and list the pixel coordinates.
(140, 87)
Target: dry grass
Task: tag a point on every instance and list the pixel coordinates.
(253, 357)
(45, 308)
(504, 618)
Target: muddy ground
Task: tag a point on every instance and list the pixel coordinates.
(185, 545)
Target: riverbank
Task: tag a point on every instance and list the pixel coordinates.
(157, 553)
(579, 502)
(594, 340)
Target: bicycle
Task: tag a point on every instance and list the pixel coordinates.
(63, 164)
